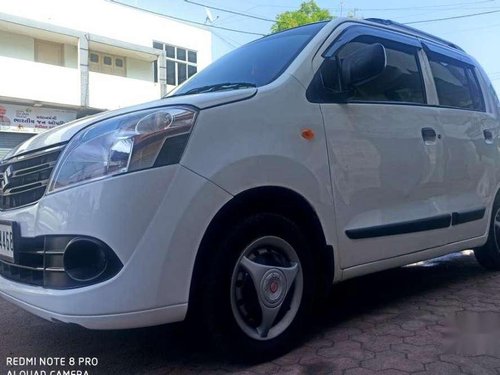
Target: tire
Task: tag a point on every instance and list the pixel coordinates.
(488, 255)
(249, 306)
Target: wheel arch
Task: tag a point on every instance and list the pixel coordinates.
(490, 206)
(272, 199)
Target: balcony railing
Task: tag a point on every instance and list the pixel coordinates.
(39, 82)
(55, 84)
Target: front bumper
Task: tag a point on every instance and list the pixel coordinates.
(153, 220)
(135, 319)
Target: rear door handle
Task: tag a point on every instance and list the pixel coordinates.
(488, 136)
(429, 135)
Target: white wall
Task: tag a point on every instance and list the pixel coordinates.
(22, 78)
(70, 56)
(115, 21)
(103, 89)
(22, 47)
(17, 46)
(39, 82)
(139, 69)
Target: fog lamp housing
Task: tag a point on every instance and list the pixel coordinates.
(85, 259)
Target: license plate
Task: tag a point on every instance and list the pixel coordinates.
(7, 240)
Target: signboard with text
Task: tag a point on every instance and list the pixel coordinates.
(25, 119)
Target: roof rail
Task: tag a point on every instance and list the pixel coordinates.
(412, 30)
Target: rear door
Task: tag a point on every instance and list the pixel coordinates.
(470, 132)
(385, 150)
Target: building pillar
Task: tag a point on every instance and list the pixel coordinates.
(162, 73)
(83, 64)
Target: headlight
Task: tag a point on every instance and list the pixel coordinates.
(125, 143)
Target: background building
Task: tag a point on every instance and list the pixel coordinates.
(61, 60)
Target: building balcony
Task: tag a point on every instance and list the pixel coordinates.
(111, 92)
(35, 81)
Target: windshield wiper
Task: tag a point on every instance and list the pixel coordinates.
(217, 87)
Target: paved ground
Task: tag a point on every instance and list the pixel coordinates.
(393, 322)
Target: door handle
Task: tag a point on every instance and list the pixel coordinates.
(429, 135)
(488, 136)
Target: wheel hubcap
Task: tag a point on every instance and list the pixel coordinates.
(273, 287)
(266, 288)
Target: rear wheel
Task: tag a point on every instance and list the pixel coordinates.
(259, 287)
(488, 255)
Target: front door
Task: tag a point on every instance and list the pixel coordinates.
(386, 158)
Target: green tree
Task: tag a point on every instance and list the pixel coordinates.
(308, 12)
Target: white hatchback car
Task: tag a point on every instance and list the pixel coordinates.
(302, 159)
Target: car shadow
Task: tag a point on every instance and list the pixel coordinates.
(365, 294)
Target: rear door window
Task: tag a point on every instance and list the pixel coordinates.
(456, 84)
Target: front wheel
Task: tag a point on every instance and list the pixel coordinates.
(488, 255)
(260, 285)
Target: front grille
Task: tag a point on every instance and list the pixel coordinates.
(29, 267)
(38, 261)
(24, 179)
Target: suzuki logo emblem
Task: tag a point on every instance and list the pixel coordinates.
(5, 177)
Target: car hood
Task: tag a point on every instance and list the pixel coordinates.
(65, 132)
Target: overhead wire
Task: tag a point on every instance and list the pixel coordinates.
(429, 6)
(239, 13)
(230, 11)
(452, 18)
(189, 21)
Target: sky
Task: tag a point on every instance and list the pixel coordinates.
(478, 35)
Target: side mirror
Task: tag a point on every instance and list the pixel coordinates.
(363, 65)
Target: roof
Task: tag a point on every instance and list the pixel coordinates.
(416, 32)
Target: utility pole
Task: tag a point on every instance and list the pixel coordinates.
(341, 7)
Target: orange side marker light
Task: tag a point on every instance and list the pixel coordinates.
(308, 134)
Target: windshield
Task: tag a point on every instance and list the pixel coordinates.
(255, 64)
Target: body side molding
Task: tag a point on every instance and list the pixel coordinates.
(418, 225)
(467, 216)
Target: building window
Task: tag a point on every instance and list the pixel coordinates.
(192, 57)
(192, 70)
(119, 62)
(181, 54)
(101, 62)
(171, 73)
(49, 52)
(170, 51)
(181, 63)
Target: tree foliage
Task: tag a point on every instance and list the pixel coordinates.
(308, 12)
